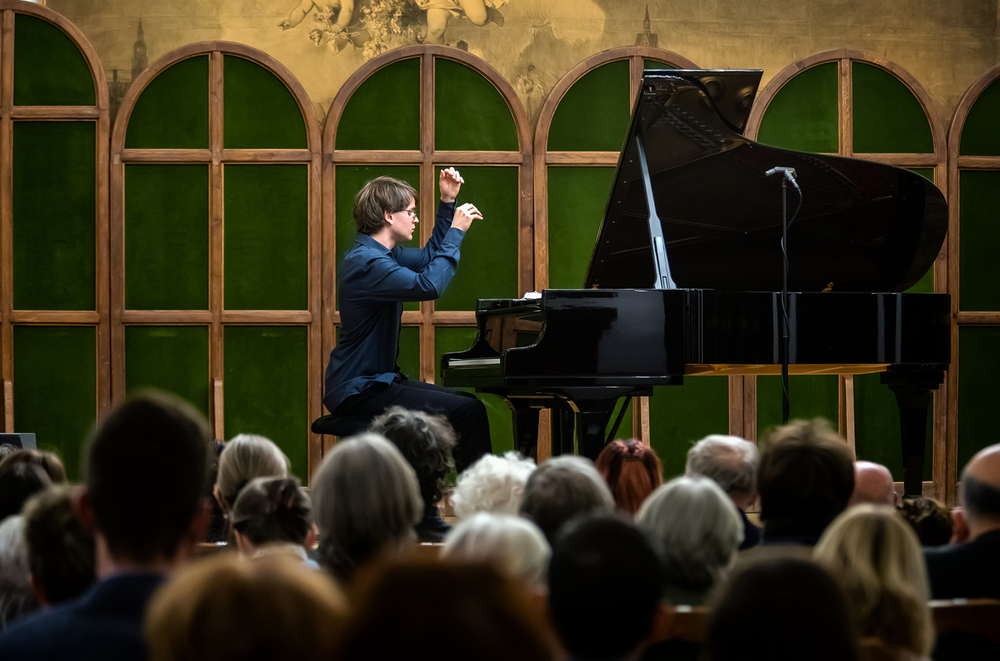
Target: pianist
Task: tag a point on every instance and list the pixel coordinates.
(375, 278)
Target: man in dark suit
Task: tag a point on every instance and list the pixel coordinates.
(969, 569)
(731, 462)
(144, 500)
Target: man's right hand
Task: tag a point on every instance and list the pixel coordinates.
(464, 215)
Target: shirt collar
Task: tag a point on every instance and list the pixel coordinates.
(366, 240)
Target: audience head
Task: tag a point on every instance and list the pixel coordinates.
(781, 609)
(878, 561)
(21, 477)
(805, 479)
(873, 485)
(366, 500)
(425, 441)
(377, 198)
(731, 462)
(245, 457)
(979, 492)
(930, 520)
(145, 475)
(6, 449)
(492, 484)
(272, 510)
(60, 548)
(397, 608)
(696, 529)
(16, 597)
(561, 488)
(605, 584)
(632, 470)
(227, 609)
(512, 544)
(47, 461)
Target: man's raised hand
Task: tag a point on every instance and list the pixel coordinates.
(450, 182)
(464, 215)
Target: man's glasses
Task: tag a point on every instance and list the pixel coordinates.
(412, 213)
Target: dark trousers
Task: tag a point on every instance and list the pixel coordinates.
(465, 413)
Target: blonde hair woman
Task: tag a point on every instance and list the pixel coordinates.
(877, 558)
(244, 458)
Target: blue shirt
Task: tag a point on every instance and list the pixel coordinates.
(374, 282)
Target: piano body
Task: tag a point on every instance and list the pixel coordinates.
(686, 276)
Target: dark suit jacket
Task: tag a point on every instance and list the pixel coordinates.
(751, 533)
(969, 571)
(104, 623)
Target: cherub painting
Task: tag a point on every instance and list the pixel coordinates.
(439, 12)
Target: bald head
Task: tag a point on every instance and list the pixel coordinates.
(873, 485)
(980, 492)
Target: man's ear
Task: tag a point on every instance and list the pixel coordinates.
(85, 511)
(311, 537)
(201, 521)
(39, 591)
(663, 618)
(387, 217)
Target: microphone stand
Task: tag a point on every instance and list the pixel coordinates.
(784, 300)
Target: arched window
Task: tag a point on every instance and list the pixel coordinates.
(53, 233)
(861, 106)
(581, 129)
(216, 243)
(408, 114)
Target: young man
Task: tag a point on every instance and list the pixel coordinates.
(376, 277)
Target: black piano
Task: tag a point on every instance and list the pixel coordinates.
(687, 276)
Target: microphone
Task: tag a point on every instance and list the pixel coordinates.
(777, 170)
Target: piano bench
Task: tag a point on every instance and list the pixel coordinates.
(341, 425)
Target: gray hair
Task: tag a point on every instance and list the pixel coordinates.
(366, 500)
(696, 527)
(245, 457)
(562, 488)
(16, 596)
(512, 544)
(729, 460)
(492, 484)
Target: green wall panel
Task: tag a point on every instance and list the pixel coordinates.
(166, 237)
(887, 117)
(49, 70)
(680, 416)
(172, 112)
(594, 113)
(577, 200)
(267, 387)
(979, 193)
(409, 352)
(266, 237)
(349, 181)
(55, 387)
(470, 113)
(655, 64)
(54, 215)
(259, 112)
(803, 115)
(809, 397)
(447, 340)
(876, 427)
(978, 366)
(488, 266)
(979, 133)
(384, 112)
(169, 358)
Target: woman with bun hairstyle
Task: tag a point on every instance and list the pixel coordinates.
(273, 515)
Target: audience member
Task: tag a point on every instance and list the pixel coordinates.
(398, 612)
(780, 609)
(273, 515)
(16, 597)
(732, 463)
(876, 558)
(226, 609)
(631, 470)
(605, 583)
(512, 544)
(6, 449)
(493, 484)
(561, 488)
(805, 479)
(697, 531)
(217, 529)
(929, 519)
(21, 477)
(969, 570)
(144, 500)
(245, 457)
(366, 501)
(60, 548)
(425, 441)
(873, 485)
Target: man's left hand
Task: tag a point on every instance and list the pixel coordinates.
(450, 182)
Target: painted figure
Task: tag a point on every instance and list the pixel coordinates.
(342, 9)
(439, 12)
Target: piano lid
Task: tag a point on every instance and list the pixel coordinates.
(863, 226)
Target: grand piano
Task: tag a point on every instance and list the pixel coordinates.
(688, 276)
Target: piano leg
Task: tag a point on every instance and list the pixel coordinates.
(525, 429)
(914, 393)
(563, 431)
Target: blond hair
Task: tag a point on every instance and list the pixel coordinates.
(244, 458)
(877, 559)
(227, 608)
